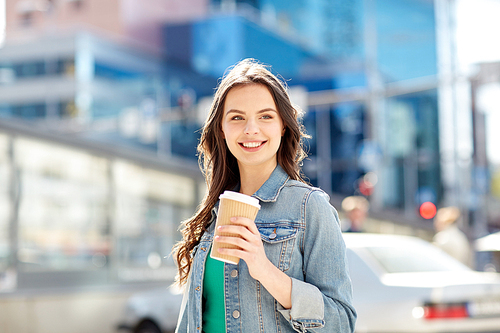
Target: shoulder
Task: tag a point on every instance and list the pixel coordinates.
(313, 200)
(317, 213)
(308, 192)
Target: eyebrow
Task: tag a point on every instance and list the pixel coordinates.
(243, 112)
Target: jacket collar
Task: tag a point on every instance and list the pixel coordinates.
(270, 190)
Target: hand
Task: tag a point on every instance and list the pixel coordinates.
(252, 251)
(247, 238)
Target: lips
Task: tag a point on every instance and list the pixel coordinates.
(252, 144)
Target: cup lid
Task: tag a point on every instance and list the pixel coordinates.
(240, 197)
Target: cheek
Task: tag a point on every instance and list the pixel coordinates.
(279, 143)
(227, 131)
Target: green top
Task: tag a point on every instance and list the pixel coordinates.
(214, 314)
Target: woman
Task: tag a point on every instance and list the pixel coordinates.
(293, 273)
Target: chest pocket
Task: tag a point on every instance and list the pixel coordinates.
(279, 240)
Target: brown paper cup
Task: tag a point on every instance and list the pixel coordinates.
(232, 204)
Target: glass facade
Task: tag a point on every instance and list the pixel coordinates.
(149, 206)
(406, 39)
(89, 79)
(412, 163)
(211, 45)
(16, 70)
(342, 126)
(74, 217)
(62, 212)
(37, 71)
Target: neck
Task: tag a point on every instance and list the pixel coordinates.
(251, 179)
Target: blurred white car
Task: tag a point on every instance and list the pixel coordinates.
(405, 284)
(401, 284)
(153, 311)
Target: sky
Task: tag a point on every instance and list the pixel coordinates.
(478, 26)
(478, 29)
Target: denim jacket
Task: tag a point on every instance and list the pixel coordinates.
(302, 237)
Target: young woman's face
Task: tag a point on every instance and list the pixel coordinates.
(252, 126)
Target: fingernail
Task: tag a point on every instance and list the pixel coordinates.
(232, 219)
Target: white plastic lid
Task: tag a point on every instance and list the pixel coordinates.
(240, 197)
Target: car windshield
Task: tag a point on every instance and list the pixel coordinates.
(415, 258)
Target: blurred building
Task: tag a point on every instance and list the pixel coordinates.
(86, 221)
(77, 77)
(372, 93)
(366, 72)
(140, 21)
(209, 46)
(76, 213)
(365, 67)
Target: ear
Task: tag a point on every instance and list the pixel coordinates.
(283, 131)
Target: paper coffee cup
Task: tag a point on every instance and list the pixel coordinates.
(232, 204)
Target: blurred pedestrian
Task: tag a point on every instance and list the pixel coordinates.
(355, 209)
(449, 237)
(297, 279)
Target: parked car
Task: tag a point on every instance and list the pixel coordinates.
(152, 311)
(400, 284)
(405, 284)
(489, 246)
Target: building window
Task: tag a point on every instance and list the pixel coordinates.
(83, 219)
(29, 69)
(5, 110)
(30, 110)
(149, 207)
(63, 222)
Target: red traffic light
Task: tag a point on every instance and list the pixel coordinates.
(428, 210)
(367, 183)
(366, 188)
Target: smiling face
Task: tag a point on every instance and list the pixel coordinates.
(252, 126)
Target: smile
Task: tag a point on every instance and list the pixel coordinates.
(252, 144)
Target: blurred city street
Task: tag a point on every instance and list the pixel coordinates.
(101, 105)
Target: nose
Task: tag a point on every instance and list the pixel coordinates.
(251, 127)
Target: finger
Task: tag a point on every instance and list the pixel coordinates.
(246, 251)
(250, 224)
(236, 241)
(236, 230)
(232, 252)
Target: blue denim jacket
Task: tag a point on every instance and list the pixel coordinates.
(302, 237)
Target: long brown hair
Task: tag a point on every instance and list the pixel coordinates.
(220, 167)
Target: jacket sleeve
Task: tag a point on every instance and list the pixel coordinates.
(323, 300)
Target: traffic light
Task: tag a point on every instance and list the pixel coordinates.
(428, 210)
(367, 183)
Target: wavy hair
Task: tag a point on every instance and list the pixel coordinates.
(220, 167)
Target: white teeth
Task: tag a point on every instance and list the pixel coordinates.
(251, 144)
